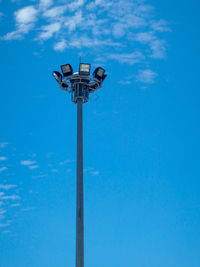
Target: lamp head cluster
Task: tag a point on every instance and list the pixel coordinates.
(79, 84)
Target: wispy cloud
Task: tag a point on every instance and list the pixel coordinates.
(74, 5)
(31, 167)
(14, 205)
(27, 162)
(10, 197)
(125, 82)
(158, 49)
(88, 42)
(131, 58)
(94, 173)
(157, 46)
(91, 171)
(66, 161)
(7, 186)
(112, 27)
(40, 176)
(6, 200)
(4, 168)
(60, 46)
(25, 19)
(31, 164)
(3, 158)
(107, 19)
(49, 30)
(55, 12)
(160, 26)
(43, 4)
(146, 76)
(3, 144)
(4, 224)
(74, 21)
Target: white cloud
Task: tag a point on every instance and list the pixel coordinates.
(60, 46)
(10, 197)
(75, 5)
(3, 144)
(119, 29)
(2, 211)
(131, 58)
(66, 161)
(27, 162)
(146, 76)
(160, 26)
(6, 201)
(4, 225)
(144, 37)
(99, 24)
(43, 4)
(25, 19)
(31, 164)
(156, 45)
(94, 173)
(85, 41)
(7, 186)
(40, 176)
(49, 30)
(55, 12)
(26, 15)
(31, 167)
(125, 82)
(158, 49)
(72, 22)
(3, 158)
(3, 169)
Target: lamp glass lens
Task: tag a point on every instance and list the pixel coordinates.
(100, 72)
(66, 69)
(85, 68)
(57, 76)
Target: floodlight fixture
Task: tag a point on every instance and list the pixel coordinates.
(84, 69)
(79, 84)
(58, 76)
(99, 74)
(67, 70)
(64, 85)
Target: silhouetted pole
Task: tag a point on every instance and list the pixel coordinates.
(79, 207)
(80, 85)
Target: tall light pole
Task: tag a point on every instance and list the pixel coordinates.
(80, 85)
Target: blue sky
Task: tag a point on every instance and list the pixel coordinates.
(141, 133)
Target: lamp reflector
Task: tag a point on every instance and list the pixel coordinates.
(99, 74)
(66, 70)
(58, 76)
(84, 69)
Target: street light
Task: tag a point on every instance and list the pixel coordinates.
(80, 85)
(57, 76)
(84, 69)
(99, 74)
(66, 70)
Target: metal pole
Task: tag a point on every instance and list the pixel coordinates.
(79, 208)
